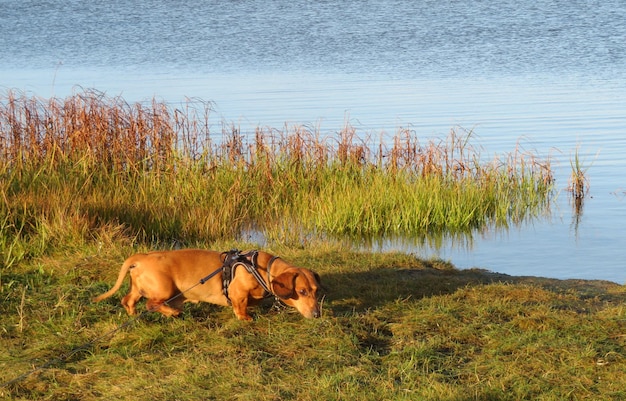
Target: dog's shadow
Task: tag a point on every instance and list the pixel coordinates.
(348, 292)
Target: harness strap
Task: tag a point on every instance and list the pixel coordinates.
(229, 264)
(252, 269)
(234, 258)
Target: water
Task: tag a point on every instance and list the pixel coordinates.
(549, 76)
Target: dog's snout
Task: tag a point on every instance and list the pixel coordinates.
(311, 312)
(315, 313)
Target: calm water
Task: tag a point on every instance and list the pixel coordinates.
(549, 75)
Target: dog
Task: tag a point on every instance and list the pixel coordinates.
(174, 276)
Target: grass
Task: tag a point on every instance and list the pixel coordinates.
(78, 168)
(394, 327)
(578, 178)
(578, 183)
(578, 187)
(88, 180)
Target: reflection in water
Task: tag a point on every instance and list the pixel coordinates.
(432, 242)
(577, 203)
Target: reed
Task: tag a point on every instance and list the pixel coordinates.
(578, 188)
(74, 168)
(578, 178)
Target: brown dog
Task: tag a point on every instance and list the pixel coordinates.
(162, 275)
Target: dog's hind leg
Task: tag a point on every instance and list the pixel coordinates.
(129, 301)
(158, 305)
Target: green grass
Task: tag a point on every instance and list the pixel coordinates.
(73, 169)
(89, 180)
(394, 327)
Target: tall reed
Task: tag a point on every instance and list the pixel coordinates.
(578, 188)
(74, 168)
(578, 178)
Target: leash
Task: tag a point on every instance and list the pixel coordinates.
(89, 344)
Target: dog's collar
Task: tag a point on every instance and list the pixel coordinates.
(268, 267)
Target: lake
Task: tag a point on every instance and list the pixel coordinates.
(548, 76)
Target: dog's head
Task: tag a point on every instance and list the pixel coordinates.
(298, 287)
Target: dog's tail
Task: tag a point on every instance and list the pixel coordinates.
(128, 264)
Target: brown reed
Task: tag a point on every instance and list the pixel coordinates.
(578, 178)
(108, 131)
(122, 136)
(160, 169)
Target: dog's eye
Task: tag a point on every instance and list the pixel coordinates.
(302, 292)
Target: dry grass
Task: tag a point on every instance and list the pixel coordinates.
(126, 137)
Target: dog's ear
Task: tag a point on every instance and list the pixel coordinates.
(319, 281)
(317, 277)
(283, 285)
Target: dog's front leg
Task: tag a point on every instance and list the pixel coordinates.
(240, 307)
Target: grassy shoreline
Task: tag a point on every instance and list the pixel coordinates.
(394, 327)
(76, 169)
(89, 180)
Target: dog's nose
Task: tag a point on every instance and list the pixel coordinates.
(317, 313)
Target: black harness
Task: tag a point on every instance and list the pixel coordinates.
(233, 259)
